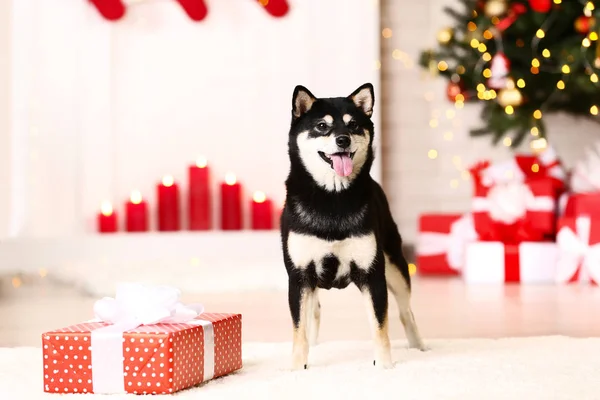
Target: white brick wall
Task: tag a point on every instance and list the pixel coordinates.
(413, 182)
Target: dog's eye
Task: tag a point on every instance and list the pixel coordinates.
(322, 127)
(352, 125)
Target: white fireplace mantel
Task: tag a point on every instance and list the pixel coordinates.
(98, 109)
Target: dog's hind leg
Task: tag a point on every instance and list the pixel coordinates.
(398, 285)
(314, 319)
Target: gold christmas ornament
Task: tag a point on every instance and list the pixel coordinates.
(445, 35)
(495, 8)
(510, 95)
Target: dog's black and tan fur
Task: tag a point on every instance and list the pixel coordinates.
(336, 226)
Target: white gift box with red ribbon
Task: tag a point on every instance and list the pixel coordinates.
(500, 263)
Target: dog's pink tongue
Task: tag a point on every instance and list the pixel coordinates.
(342, 164)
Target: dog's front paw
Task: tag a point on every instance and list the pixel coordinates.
(383, 360)
(298, 366)
(299, 360)
(383, 364)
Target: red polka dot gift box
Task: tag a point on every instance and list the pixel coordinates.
(150, 358)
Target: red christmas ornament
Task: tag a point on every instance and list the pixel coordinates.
(111, 10)
(583, 24)
(277, 8)
(454, 89)
(195, 9)
(541, 6)
(513, 14)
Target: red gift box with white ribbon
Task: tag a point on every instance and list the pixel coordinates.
(500, 263)
(578, 242)
(521, 210)
(516, 200)
(144, 341)
(576, 204)
(523, 167)
(441, 243)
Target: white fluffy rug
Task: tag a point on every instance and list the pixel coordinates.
(520, 368)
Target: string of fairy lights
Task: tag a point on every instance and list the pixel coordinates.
(447, 121)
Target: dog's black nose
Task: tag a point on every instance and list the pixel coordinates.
(343, 141)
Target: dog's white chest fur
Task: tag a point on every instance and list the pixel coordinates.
(304, 249)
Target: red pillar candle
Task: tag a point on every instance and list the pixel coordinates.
(136, 213)
(107, 218)
(231, 203)
(262, 212)
(199, 205)
(168, 205)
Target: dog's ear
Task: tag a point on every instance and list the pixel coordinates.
(364, 98)
(302, 101)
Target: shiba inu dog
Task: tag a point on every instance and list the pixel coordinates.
(336, 226)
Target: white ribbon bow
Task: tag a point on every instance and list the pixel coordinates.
(586, 174)
(451, 244)
(134, 305)
(137, 304)
(549, 159)
(502, 172)
(575, 252)
(509, 202)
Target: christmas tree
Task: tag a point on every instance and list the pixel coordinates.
(523, 60)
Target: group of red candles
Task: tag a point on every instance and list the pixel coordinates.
(198, 202)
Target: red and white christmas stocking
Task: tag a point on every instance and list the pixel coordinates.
(277, 8)
(111, 10)
(195, 9)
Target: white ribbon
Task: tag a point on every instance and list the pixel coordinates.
(562, 203)
(549, 157)
(510, 202)
(135, 305)
(451, 244)
(575, 252)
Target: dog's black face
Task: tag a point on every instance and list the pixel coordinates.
(331, 138)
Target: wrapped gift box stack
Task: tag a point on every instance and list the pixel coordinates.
(529, 222)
